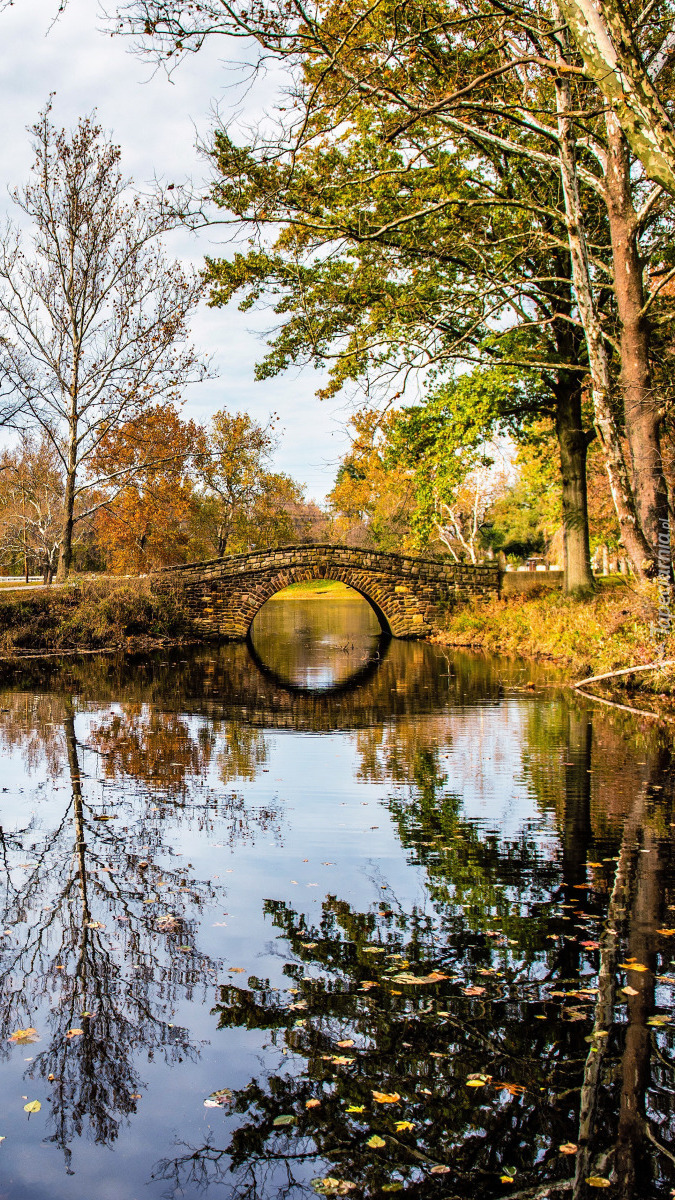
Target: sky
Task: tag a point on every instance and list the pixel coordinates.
(157, 122)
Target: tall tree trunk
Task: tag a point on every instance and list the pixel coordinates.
(641, 413)
(624, 502)
(66, 550)
(573, 441)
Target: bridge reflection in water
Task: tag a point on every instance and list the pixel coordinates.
(300, 670)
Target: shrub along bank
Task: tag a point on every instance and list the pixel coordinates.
(92, 615)
(605, 630)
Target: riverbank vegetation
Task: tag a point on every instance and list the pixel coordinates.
(612, 627)
(92, 614)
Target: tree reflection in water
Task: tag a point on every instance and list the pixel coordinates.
(505, 974)
(93, 923)
(479, 1034)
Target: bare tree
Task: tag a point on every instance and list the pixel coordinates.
(31, 495)
(92, 315)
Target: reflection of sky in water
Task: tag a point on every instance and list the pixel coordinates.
(250, 814)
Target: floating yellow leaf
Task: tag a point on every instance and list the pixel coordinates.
(402, 1126)
(597, 1181)
(345, 1043)
(312, 1103)
(74, 1033)
(25, 1035)
(356, 1108)
(375, 1142)
(630, 991)
(32, 1106)
(568, 1148)
(478, 1080)
(629, 966)
(332, 1187)
(473, 991)
(439, 1170)
(236, 970)
(386, 1097)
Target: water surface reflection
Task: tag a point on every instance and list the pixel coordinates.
(410, 934)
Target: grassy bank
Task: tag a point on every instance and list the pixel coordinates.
(587, 635)
(92, 615)
(314, 589)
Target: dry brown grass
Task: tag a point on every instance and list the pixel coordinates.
(609, 629)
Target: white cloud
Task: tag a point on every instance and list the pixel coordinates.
(157, 121)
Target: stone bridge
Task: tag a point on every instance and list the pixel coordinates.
(406, 593)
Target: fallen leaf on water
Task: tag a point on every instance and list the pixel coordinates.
(309, 945)
(332, 1187)
(345, 1043)
(630, 991)
(356, 1108)
(94, 925)
(597, 1181)
(136, 1096)
(218, 1099)
(74, 1033)
(407, 977)
(514, 1089)
(658, 1020)
(376, 1142)
(478, 1080)
(236, 970)
(629, 966)
(312, 1103)
(286, 1119)
(401, 1126)
(439, 1170)
(666, 932)
(373, 949)
(591, 945)
(32, 1106)
(168, 923)
(473, 991)
(386, 1097)
(25, 1035)
(102, 818)
(568, 1148)
(368, 984)
(341, 1060)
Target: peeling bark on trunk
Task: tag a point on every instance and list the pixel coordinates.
(631, 533)
(641, 412)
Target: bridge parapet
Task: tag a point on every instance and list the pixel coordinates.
(224, 594)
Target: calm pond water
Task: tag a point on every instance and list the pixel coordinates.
(330, 915)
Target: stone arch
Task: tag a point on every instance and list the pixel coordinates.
(373, 591)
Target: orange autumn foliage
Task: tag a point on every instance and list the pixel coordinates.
(147, 522)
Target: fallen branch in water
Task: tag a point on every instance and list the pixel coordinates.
(637, 712)
(666, 662)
